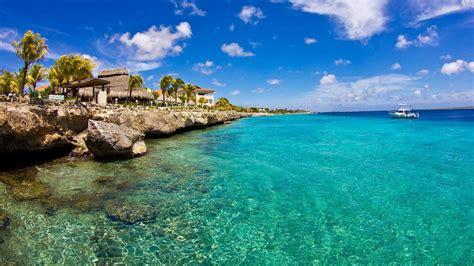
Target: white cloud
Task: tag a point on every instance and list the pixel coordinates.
(206, 68)
(358, 20)
(429, 37)
(363, 92)
(232, 27)
(135, 66)
(254, 44)
(396, 66)
(456, 67)
(155, 43)
(217, 83)
(429, 9)
(150, 78)
(234, 92)
(181, 7)
(343, 62)
(274, 81)
(234, 50)
(251, 14)
(423, 72)
(417, 92)
(99, 64)
(260, 90)
(446, 57)
(328, 79)
(403, 42)
(309, 40)
(7, 36)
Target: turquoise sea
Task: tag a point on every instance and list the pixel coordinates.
(328, 188)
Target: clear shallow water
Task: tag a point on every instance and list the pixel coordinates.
(284, 189)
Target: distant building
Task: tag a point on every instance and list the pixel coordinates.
(207, 94)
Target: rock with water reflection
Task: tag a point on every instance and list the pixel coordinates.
(25, 187)
(130, 213)
(108, 140)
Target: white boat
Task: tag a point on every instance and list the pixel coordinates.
(404, 111)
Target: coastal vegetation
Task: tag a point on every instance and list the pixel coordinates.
(32, 48)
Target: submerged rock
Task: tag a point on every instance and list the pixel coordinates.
(4, 220)
(25, 188)
(130, 213)
(108, 140)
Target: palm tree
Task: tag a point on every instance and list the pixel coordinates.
(8, 82)
(31, 48)
(175, 86)
(224, 103)
(165, 85)
(189, 90)
(182, 97)
(134, 82)
(36, 74)
(69, 68)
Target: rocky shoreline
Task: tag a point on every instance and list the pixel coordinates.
(39, 132)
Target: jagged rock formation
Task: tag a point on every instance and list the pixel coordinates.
(108, 140)
(29, 131)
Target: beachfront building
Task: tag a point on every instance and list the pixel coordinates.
(118, 90)
(199, 93)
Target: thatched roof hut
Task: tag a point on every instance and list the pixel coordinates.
(118, 87)
(118, 79)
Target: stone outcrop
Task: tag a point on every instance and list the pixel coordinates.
(29, 132)
(26, 128)
(25, 187)
(130, 213)
(108, 140)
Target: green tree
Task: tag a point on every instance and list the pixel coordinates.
(202, 101)
(165, 85)
(224, 103)
(134, 82)
(36, 74)
(175, 86)
(189, 90)
(31, 48)
(182, 97)
(9, 82)
(69, 68)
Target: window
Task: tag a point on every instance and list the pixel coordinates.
(210, 101)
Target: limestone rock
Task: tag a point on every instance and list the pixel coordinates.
(108, 140)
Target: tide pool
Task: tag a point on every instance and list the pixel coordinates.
(333, 188)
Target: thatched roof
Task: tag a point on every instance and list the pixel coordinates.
(113, 72)
(136, 93)
(84, 83)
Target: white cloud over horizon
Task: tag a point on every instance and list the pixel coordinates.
(378, 92)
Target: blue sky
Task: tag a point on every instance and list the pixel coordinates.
(319, 55)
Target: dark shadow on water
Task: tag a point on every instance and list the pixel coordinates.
(17, 160)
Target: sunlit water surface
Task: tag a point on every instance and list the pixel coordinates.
(353, 188)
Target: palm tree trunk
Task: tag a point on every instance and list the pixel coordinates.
(23, 79)
(164, 101)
